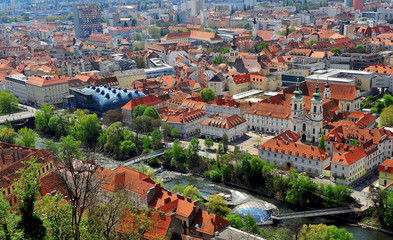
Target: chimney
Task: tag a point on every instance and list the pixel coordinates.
(120, 180)
(13, 154)
(167, 200)
(2, 156)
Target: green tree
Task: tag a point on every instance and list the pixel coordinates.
(215, 175)
(114, 139)
(88, 130)
(386, 118)
(224, 49)
(8, 222)
(105, 217)
(250, 225)
(178, 157)
(388, 211)
(387, 100)
(57, 125)
(322, 143)
(26, 189)
(151, 112)
(225, 142)
(56, 216)
(175, 133)
(218, 205)
(43, 116)
(314, 232)
(178, 188)
(194, 148)
(154, 32)
(262, 46)
(192, 192)
(156, 139)
(27, 137)
(301, 191)
(7, 134)
(339, 51)
(207, 95)
(138, 110)
(137, 223)
(165, 31)
(69, 148)
(217, 60)
(136, 48)
(335, 233)
(138, 37)
(52, 146)
(127, 147)
(235, 220)
(146, 144)
(166, 131)
(247, 26)
(360, 49)
(226, 173)
(208, 143)
(8, 102)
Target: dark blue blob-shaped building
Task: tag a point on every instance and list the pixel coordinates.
(103, 98)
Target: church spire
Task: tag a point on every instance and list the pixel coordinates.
(317, 94)
(234, 43)
(298, 92)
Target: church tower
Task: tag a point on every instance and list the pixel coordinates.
(254, 28)
(297, 101)
(233, 52)
(327, 93)
(316, 104)
(316, 114)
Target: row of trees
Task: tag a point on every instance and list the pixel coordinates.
(8, 102)
(117, 140)
(252, 171)
(24, 136)
(381, 213)
(82, 126)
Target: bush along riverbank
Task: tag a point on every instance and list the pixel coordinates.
(252, 172)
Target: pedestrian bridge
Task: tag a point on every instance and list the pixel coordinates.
(143, 157)
(316, 213)
(26, 113)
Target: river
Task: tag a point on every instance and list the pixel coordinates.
(171, 178)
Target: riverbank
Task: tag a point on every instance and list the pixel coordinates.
(361, 232)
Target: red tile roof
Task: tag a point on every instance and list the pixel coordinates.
(349, 157)
(221, 120)
(386, 166)
(208, 223)
(295, 149)
(48, 81)
(149, 100)
(270, 110)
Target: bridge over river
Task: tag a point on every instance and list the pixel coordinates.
(26, 113)
(316, 213)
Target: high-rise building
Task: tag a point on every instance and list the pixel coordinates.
(87, 19)
(196, 6)
(357, 5)
(347, 3)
